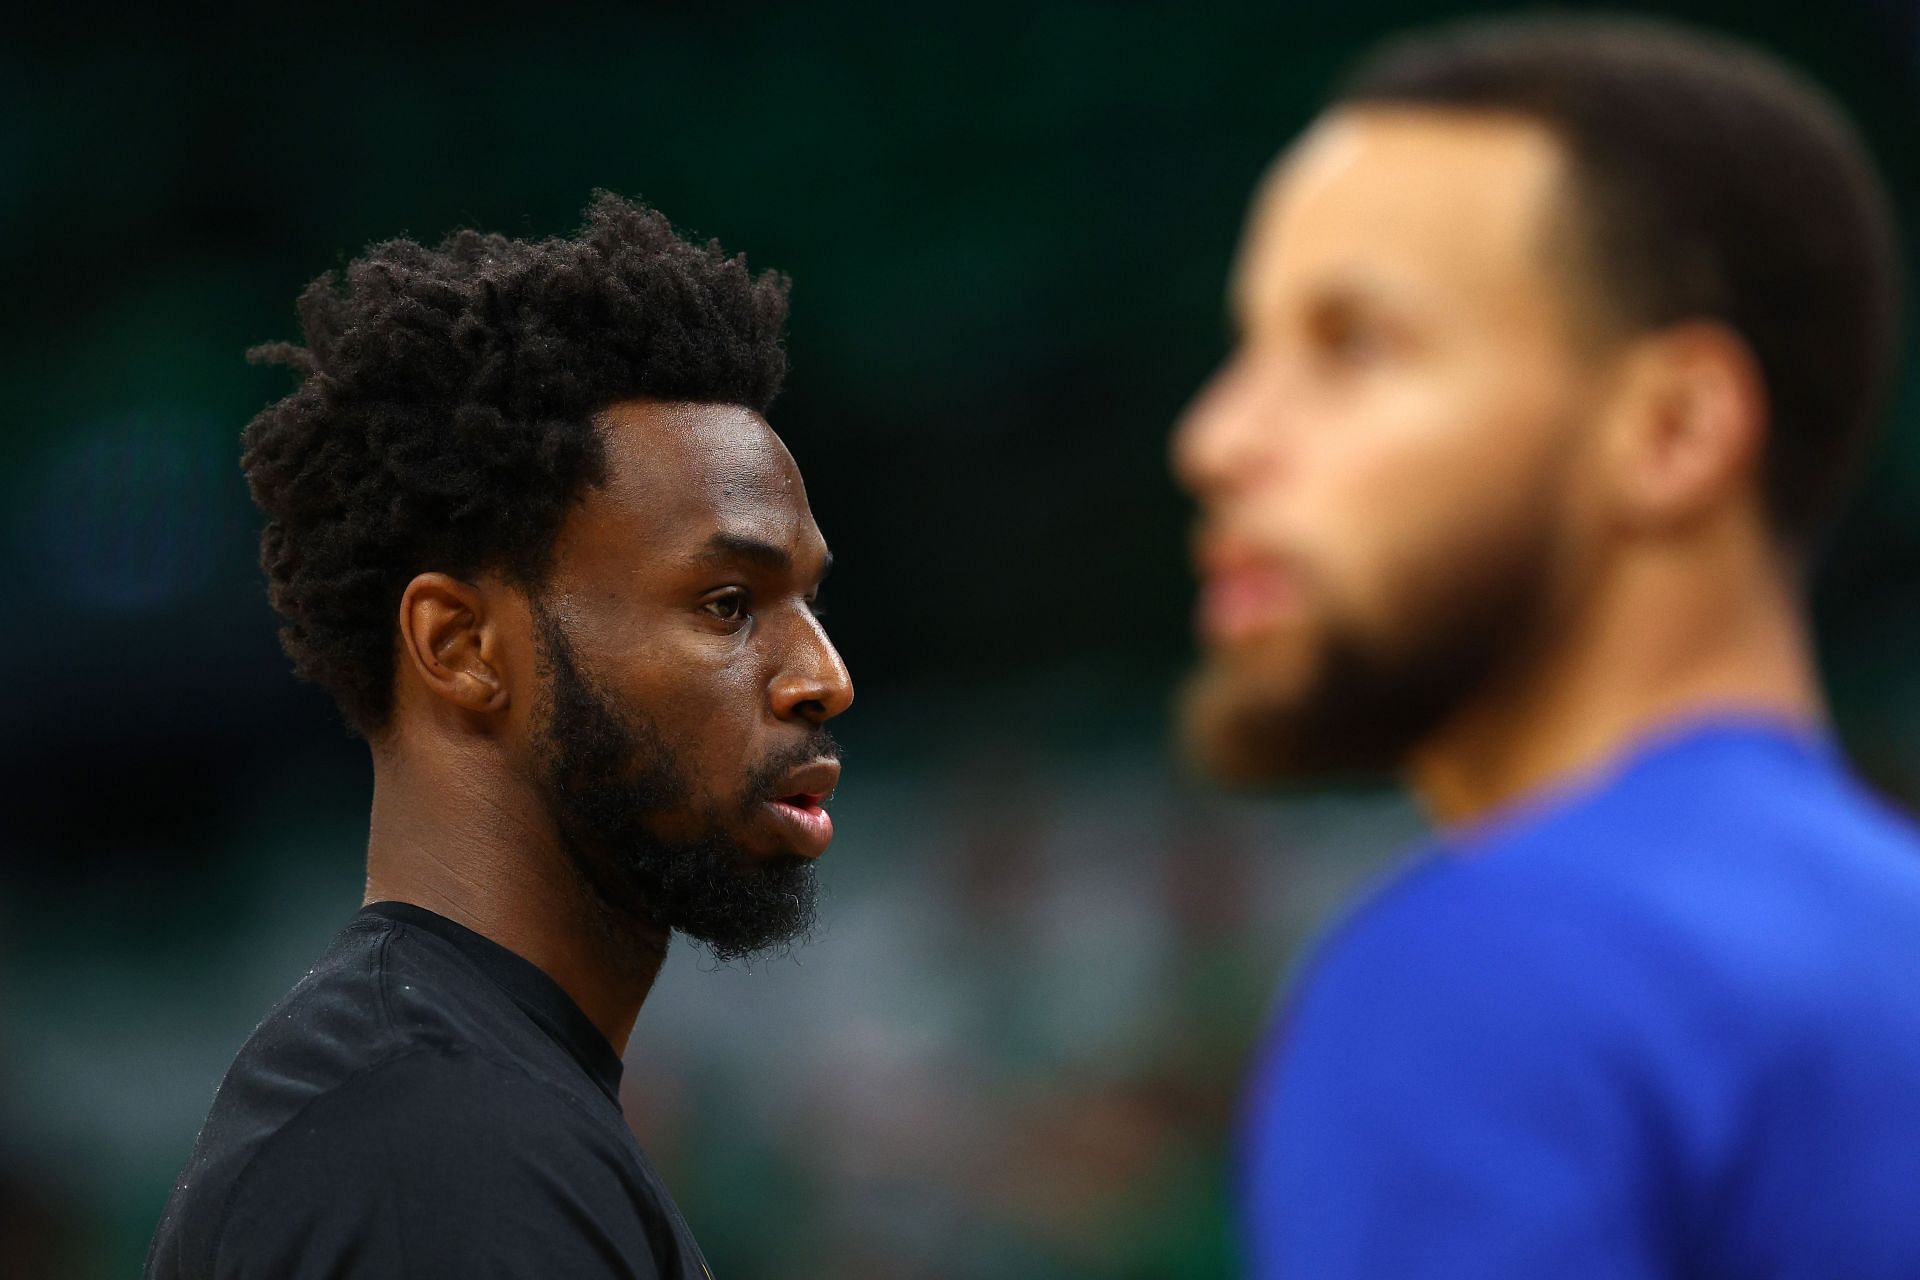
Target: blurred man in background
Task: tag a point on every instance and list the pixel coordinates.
(527, 523)
(1558, 344)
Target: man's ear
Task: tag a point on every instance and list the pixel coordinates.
(450, 640)
(1690, 426)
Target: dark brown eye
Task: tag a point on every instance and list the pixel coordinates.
(1347, 338)
(1351, 340)
(729, 606)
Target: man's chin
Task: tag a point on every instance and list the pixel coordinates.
(718, 892)
(764, 904)
(1234, 731)
(1246, 728)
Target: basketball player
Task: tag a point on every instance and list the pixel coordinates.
(527, 523)
(1559, 341)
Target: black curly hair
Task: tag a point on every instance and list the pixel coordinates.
(444, 414)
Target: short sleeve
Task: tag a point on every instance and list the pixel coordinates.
(433, 1165)
(1451, 1095)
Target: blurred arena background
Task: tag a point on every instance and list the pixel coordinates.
(1014, 1050)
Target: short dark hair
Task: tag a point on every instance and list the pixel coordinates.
(1708, 182)
(443, 418)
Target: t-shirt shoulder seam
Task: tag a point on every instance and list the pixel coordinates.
(380, 979)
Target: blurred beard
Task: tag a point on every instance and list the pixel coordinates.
(609, 777)
(1467, 625)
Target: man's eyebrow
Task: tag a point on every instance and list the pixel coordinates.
(740, 546)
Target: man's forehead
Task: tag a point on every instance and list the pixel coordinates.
(1377, 194)
(678, 472)
(682, 446)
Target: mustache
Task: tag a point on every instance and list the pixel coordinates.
(766, 774)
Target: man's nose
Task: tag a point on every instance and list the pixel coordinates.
(815, 685)
(1225, 436)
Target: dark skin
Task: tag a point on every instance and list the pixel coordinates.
(686, 587)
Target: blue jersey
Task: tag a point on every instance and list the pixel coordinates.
(1664, 1023)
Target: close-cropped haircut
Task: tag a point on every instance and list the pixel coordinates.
(444, 414)
(1707, 182)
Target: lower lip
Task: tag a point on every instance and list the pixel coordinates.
(1235, 607)
(808, 830)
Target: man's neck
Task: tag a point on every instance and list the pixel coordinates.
(457, 834)
(1676, 651)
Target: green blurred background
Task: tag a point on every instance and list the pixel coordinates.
(1015, 1048)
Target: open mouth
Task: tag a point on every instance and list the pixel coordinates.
(804, 827)
(808, 786)
(799, 808)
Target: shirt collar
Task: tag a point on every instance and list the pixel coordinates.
(538, 996)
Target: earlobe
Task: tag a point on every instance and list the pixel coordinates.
(448, 643)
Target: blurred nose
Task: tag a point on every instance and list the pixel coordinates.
(1225, 440)
(814, 686)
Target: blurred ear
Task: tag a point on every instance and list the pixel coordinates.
(450, 640)
(1688, 431)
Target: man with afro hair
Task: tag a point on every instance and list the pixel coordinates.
(527, 523)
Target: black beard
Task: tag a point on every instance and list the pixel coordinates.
(608, 775)
(1372, 704)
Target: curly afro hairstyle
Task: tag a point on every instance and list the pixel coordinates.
(444, 416)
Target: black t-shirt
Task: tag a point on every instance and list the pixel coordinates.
(424, 1103)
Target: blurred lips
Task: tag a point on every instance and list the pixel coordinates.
(1243, 592)
(797, 807)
